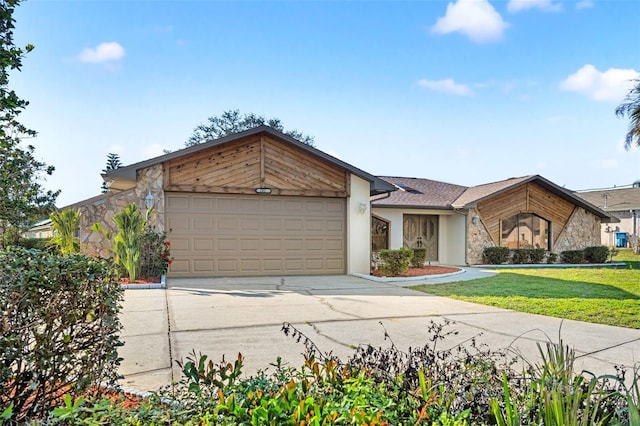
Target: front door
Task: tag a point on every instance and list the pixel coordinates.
(421, 231)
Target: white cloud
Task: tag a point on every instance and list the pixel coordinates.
(476, 19)
(610, 85)
(446, 86)
(544, 5)
(584, 4)
(104, 52)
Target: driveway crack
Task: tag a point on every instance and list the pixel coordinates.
(330, 338)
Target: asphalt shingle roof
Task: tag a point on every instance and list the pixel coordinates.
(477, 193)
(618, 199)
(416, 192)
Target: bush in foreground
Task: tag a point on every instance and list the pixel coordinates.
(466, 384)
(58, 332)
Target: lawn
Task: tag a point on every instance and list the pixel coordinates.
(600, 295)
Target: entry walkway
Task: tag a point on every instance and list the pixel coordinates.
(225, 316)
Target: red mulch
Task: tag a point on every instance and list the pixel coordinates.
(419, 272)
(123, 399)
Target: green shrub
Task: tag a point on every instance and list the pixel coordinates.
(521, 256)
(459, 385)
(495, 255)
(552, 257)
(65, 224)
(418, 258)
(395, 262)
(155, 252)
(59, 329)
(572, 256)
(35, 243)
(596, 254)
(126, 244)
(537, 255)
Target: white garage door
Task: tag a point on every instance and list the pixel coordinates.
(243, 235)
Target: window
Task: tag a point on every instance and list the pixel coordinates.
(379, 234)
(525, 231)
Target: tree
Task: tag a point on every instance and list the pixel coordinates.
(22, 198)
(113, 162)
(231, 121)
(630, 107)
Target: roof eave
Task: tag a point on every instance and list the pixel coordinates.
(410, 206)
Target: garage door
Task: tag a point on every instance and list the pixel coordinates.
(244, 235)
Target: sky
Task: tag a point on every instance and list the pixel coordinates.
(466, 91)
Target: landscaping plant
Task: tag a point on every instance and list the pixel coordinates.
(65, 225)
(495, 255)
(155, 253)
(127, 241)
(418, 258)
(596, 254)
(456, 385)
(59, 329)
(397, 261)
(572, 256)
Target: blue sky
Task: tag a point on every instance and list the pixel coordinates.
(467, 92)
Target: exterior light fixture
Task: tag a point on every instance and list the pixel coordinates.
(362, 207)
(475, 219)
(149, 200)
(263, 190)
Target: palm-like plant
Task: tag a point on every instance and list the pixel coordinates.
(65, 224)
(630, 107)
(131, 225)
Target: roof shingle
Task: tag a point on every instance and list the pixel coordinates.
(420, 193)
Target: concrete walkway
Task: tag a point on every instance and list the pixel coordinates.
(225, 316)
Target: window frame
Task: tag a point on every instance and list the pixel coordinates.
(520, 218)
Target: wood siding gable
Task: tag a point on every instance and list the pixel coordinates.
(258, 161)
(527, 198)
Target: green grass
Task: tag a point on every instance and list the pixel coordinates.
(599, 295)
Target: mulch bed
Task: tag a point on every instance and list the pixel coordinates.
(419, 272)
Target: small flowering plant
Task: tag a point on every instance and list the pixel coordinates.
(155, 254)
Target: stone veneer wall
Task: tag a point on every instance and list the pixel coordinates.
(582, 230)
(477, 239)
(102, 210)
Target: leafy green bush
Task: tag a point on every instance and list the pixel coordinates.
(36, 243)
(467, 384)
(155, 252)
(418, 258)
(521, 256)
(596, 254)
(126, 244)
(65, 224)
(537, 255)
(552, 257)
(395, 262)
(495, 255)
(572, 256)
(58, 331)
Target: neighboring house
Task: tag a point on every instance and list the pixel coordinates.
(40, 230)
(455, 223)
(262, 203)
(622, 203)
(255, 203)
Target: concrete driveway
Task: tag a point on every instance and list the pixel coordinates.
(220, 316)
